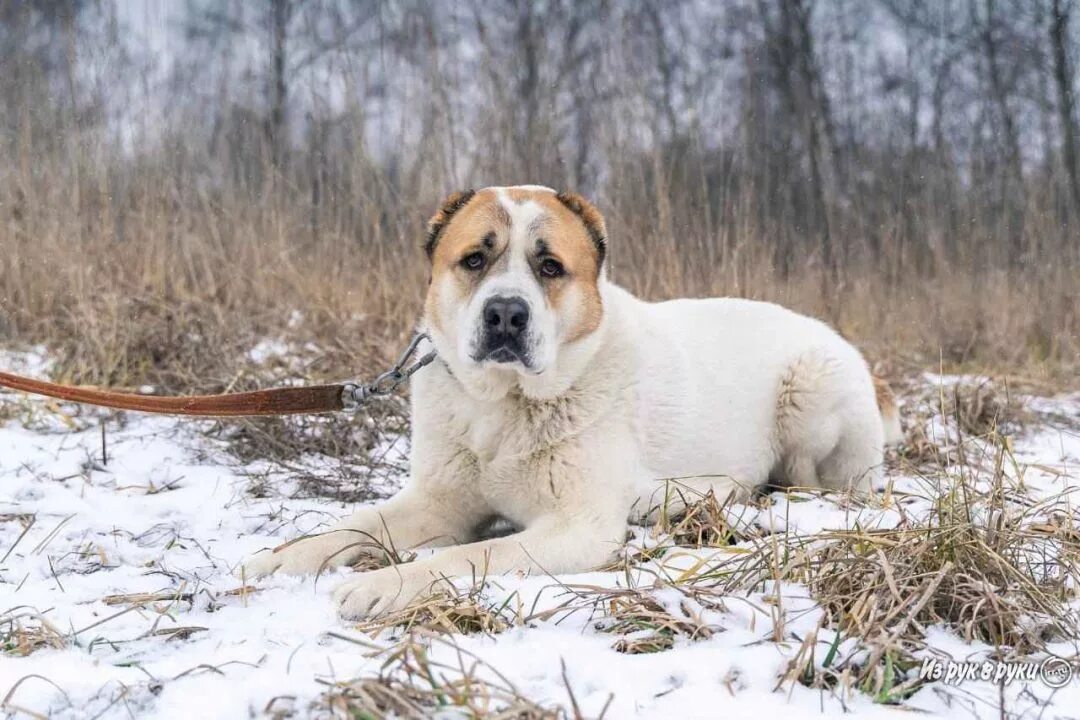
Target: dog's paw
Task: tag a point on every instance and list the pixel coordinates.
(259, 565)
(306, 556)
(377, 592)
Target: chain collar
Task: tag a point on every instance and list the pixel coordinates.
(353, 394)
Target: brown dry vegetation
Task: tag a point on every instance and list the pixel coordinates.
(153, 283)
(413, 686)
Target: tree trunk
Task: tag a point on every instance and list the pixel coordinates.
(818, 124)
(529, 38)
(1008, 125)
(1059, 38)
(281, 11)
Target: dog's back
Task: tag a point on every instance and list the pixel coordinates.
(750, 390)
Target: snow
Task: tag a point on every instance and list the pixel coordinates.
(166, 511)
(266, 350)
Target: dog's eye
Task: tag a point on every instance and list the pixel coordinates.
(551, 268)
(473, 261)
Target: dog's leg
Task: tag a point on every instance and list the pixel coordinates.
(585, 496)
(857, 461)
(440, 506)
(410, 519)
(828, 424)
(553, 544)
(800, 472)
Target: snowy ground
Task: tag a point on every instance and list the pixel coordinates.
(166, 513)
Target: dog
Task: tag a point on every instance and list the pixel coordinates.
(562, 403)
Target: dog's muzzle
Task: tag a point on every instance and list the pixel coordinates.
(504, 331)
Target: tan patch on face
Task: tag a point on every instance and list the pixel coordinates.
(460, 233)
(576, 294)
(590, 218)
(568, 234)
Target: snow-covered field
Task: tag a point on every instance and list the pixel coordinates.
(121, 569)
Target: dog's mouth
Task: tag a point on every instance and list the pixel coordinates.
(505, 353)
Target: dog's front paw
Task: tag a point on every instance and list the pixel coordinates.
(305, 556)
(258, 565)
(378, 592)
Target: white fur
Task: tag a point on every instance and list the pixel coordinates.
(725, 394)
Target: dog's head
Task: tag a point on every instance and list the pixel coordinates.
(515, 283)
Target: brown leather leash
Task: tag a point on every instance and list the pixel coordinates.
(276, 401)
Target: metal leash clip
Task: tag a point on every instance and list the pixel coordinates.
(353, 395)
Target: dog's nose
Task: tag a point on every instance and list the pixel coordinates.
(506, 316)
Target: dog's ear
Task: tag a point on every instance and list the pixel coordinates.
(438, 221)
(591, 217)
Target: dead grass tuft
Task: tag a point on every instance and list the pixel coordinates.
(981, 561)
(23, 630)
(887, 587)
(448, 612)
(899, 582)
(173, 344)
(645, 618)
(985, 407)
(938, 419)
(354, 451)
(704, 522)
(686, 518)
(414, 686)
(646, 625)
(919, 449)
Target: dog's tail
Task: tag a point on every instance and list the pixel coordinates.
(890, 413)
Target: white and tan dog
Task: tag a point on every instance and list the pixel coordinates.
(562, 402)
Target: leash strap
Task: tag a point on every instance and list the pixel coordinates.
(279, 401)
(276, 401)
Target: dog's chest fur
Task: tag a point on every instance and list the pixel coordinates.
(522, 450)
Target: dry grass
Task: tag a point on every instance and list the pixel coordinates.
(1006, 586)
(986, 408)
(701, 522)
(153, 278)
(983, 408)
(686, 518)
(413, 686)
(644, 624)
(24, 630)
(180, 316)
(356, 451)
(976, 556)
(448, 611)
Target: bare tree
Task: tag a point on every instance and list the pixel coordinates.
(789, 39)
(991, 30)
(292, 36)
(1063, 80)
(279, 18)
